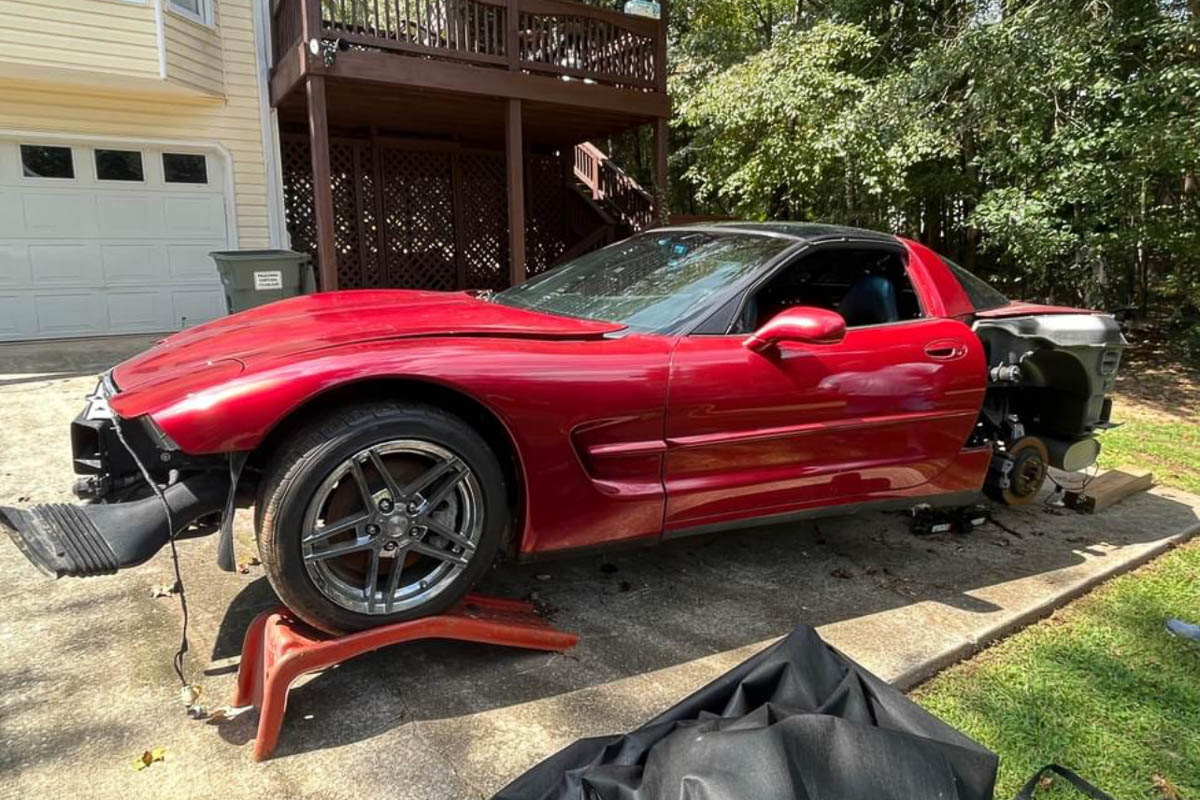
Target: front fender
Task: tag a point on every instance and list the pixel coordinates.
(234, 410)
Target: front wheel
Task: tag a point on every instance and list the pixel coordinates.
(380, 513)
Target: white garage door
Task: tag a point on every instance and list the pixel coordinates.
(108, 238)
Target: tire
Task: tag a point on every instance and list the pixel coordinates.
(313, 487)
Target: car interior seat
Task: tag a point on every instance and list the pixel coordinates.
(870, 301)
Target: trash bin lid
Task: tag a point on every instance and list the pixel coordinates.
(258, 255)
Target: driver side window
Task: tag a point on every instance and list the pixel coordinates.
(866, 286)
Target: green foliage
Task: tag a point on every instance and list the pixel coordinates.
(1053, 146)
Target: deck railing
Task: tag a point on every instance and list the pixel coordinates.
(552, 37)
(611, 186)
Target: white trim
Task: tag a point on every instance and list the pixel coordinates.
(231, 223)
(269, 126)
(160, 35)
(205, 17)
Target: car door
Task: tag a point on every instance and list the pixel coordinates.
(871, 417)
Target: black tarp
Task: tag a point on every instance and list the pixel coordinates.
(798, 720)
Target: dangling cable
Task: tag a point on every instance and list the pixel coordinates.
(158, 492)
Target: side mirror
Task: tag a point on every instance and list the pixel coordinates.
(804, 324)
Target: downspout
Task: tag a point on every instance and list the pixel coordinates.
(269, 128)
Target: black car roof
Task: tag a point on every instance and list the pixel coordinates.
(800, 231)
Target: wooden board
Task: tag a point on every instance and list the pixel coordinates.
(1109, 488)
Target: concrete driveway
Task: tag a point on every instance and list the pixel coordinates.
(86, 681)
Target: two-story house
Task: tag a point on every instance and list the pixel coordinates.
(424, 143)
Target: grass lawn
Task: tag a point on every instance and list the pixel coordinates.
(1169, 447)
(1100, 686)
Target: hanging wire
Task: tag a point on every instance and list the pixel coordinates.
(183, 607)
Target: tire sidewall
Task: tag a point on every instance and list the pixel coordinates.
(285, 564)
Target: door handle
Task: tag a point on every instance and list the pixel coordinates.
(946, 349)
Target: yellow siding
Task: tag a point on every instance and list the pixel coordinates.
(232, 121)
(108, 36)
(194, 54)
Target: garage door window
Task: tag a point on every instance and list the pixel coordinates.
(42, 161)
(184, 168)
(119, 165)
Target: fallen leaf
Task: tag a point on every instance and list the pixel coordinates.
(148, 757)
(1046, 782)
(1166, 788)
(164, 589)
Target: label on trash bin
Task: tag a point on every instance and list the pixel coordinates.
(268, 279)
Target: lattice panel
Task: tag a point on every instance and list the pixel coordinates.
(394, 221)
(485, 220)
(346, 237)
(368, 220)
(418, 219)
(298, 194)
(546, 229)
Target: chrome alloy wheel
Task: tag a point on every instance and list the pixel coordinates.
(391, 527)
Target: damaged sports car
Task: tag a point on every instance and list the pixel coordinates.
(686, 380)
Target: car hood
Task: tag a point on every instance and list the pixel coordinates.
(318, 321)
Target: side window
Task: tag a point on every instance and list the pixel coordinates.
(866, 286)
(979, 293)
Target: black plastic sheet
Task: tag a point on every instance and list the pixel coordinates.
(798, 720)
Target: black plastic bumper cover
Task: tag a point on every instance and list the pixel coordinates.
(84, 540)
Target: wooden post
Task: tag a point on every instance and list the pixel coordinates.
(318, 138)
(512, 43)
(661, 212)
(660, 47)
(514, 162)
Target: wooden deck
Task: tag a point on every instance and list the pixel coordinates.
(507, 73)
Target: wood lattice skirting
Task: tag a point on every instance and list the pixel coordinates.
(430, 214)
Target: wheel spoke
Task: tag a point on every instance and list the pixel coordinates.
(389, 596)
(431, 475)
(334, 528)
(360, 478)
(385, 473)
(340, 550)
(446, 533)
(434, 500)
(372, 579)
(436, 552)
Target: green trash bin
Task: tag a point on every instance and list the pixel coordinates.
(257, 277)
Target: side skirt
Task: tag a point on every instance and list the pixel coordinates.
(963, 498)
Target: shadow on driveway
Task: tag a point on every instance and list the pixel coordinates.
(647, 609)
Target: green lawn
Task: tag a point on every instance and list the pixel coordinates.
(1170, 448)
(1099, 686)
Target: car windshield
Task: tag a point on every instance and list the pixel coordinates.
(651, 282)
(981, 295)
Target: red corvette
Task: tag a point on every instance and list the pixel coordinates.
(684, 380)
